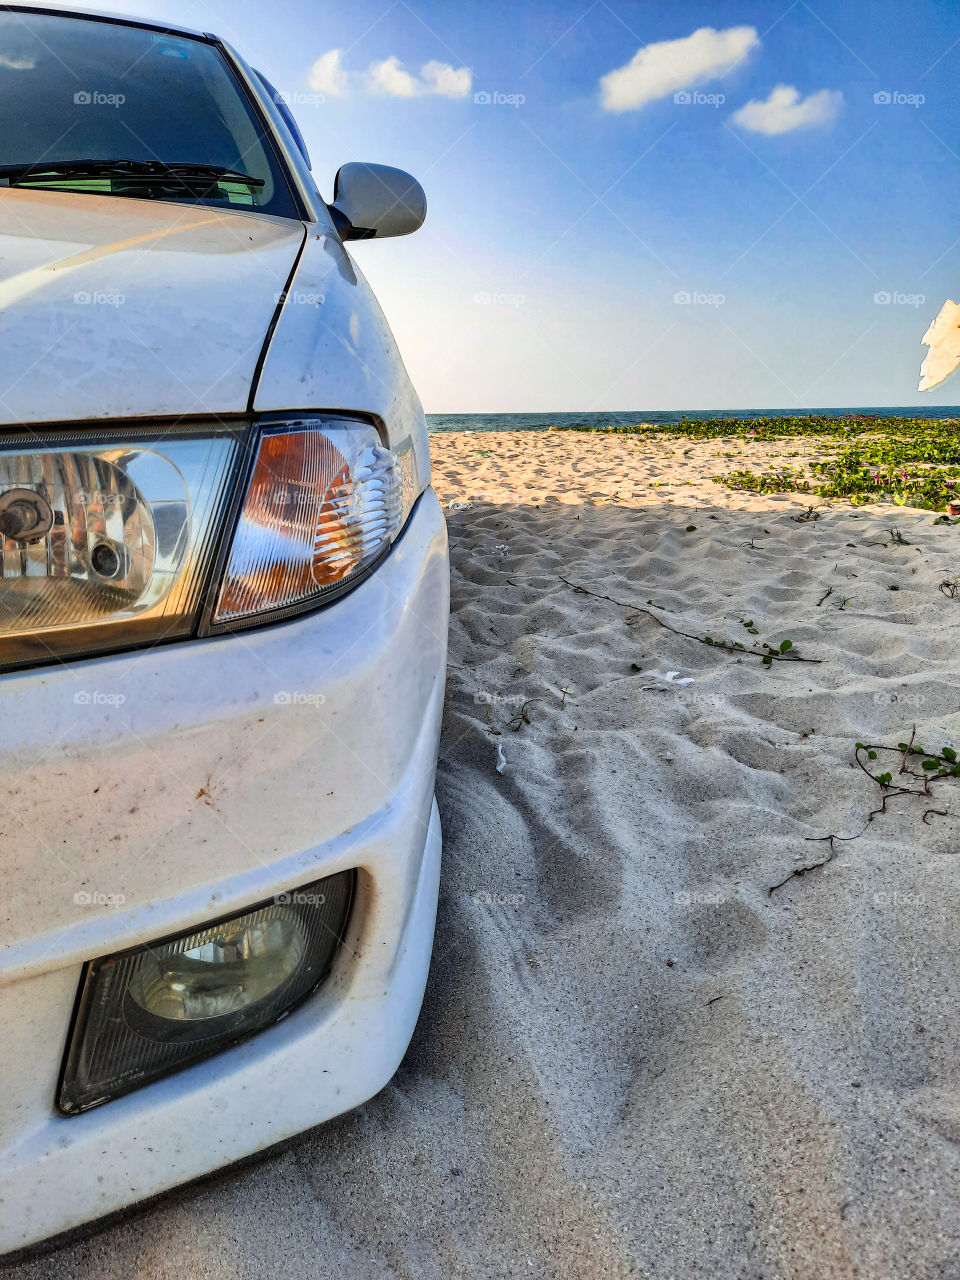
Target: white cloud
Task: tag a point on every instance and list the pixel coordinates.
(14, 63)
(392, 78)
(660, 69)
(447, 81)
(389, 77)
(330, 77)
(327, 75)
(785, 110)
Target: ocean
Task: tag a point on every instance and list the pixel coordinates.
(439, 422)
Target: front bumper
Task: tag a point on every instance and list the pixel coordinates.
(145, 793)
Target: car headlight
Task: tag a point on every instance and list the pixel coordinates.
(111, 539)
(152, 1010)
(106, 539)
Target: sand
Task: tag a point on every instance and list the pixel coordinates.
(637, 1057)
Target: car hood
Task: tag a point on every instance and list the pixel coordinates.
(116, 308)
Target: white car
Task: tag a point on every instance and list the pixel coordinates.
(223, 617)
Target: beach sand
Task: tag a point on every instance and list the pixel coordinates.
(637, 1055)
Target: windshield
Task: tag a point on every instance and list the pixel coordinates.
(74, 90)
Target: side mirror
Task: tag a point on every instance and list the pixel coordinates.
(372, 201)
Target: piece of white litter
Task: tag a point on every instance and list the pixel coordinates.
(501, 758)
(943, 339)
(459, 506)
(672, 678)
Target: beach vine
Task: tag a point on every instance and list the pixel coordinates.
(878, 761)
(906, 461)
(767, 653)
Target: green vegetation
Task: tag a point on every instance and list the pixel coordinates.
(935, 764)
(909, 461)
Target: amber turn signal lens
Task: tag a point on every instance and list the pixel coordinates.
(323, 502)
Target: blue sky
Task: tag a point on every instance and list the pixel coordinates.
(571, 215)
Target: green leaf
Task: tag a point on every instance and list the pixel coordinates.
(884, 779)
(691, 528)
(785, 645)
(930, 764)
(768, 661)
(871, 755)
(948, 753)
(861, 747)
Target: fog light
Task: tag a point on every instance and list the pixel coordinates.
(146, 1012)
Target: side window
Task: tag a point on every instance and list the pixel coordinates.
(287, 114)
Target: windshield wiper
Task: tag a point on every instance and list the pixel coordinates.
(147, 170)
